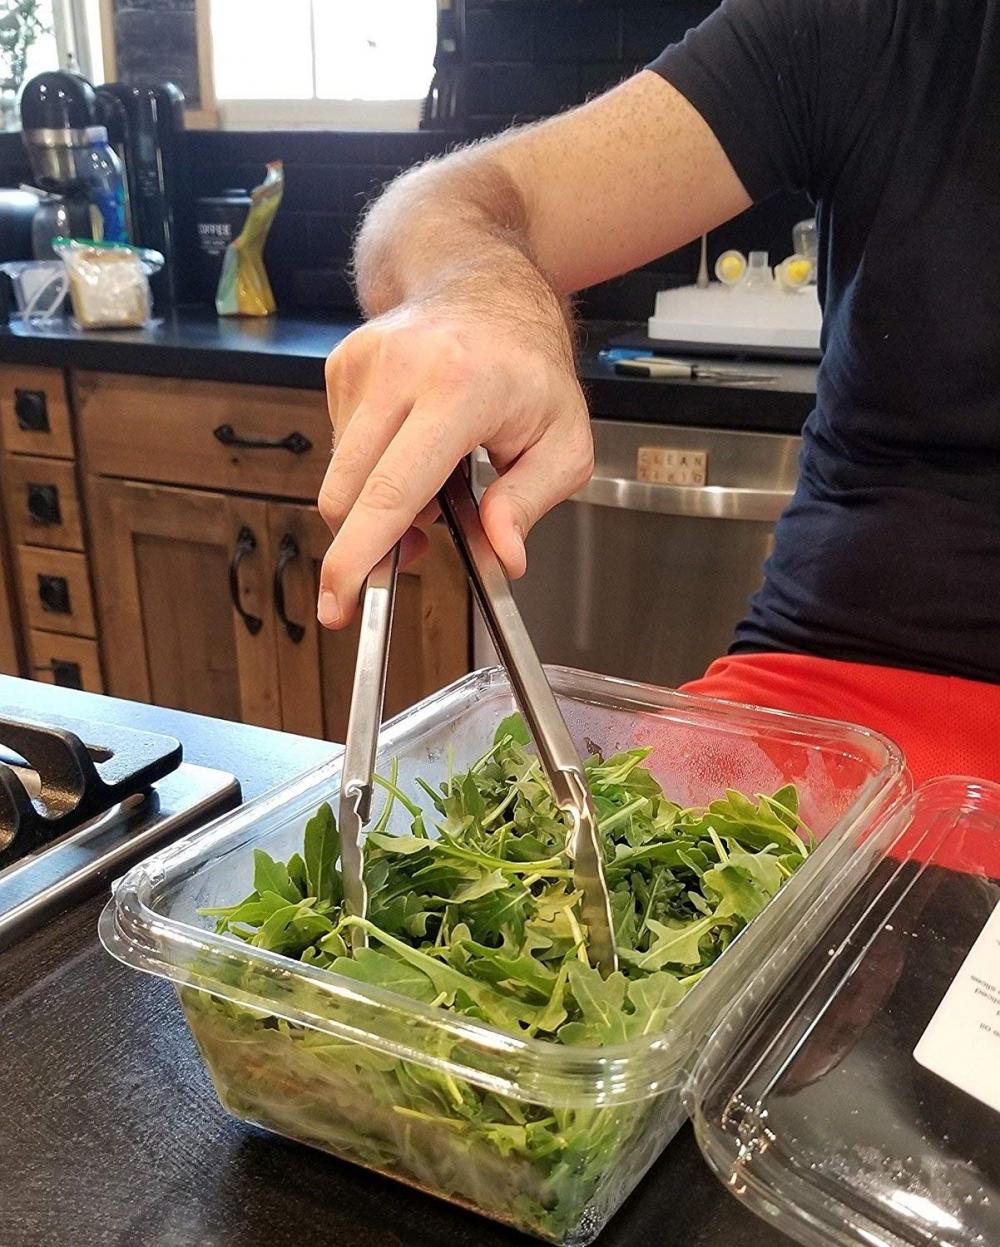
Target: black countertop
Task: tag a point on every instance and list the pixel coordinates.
(290, 350)
(110, 1133)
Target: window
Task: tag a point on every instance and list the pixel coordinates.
(363, 64)
(38, 35)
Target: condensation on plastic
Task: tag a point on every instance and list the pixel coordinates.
(845, 776)
(807, 1099)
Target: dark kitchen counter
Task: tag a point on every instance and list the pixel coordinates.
(290, 350)
(110, 1134)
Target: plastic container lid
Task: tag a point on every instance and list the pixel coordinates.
(852, 1094)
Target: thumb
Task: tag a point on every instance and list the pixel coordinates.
(545, 474)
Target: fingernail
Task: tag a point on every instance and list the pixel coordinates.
(329, 610)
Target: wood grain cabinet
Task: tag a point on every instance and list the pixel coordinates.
(206, 598)
(430, 636)
(182, 580)
(48, 607)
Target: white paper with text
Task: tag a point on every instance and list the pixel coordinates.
(962, 1039)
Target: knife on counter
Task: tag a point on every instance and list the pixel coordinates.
(661, 367)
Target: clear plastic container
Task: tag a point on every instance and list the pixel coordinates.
(852, 1095)
(40, 288)
(369, 1075)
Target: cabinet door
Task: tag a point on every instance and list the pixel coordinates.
(10, 660)
(183, 591)
(430, 638)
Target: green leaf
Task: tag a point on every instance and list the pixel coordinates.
(653, 999)
(272, 876)
(367, 965)
(406, 846)
(321, 851)
(675, 944)
(601, 1002)
(297, 874)
(513, 727)
(494, 881)
(737, 893)
(501, 1009)
(554, 1013)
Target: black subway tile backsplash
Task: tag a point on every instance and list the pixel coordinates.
(567, 32)
(540, 88)
(498, 34)
(522, 59)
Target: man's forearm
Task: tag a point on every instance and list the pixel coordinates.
(454, 232)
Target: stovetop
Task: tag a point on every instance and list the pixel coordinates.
(80, 802)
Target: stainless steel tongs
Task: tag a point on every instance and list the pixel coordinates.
(534, 696)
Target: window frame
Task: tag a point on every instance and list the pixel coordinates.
(317, 112)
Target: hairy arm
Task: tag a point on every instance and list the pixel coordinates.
(582, 197)
(464, 267)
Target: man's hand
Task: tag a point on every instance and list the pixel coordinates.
(411, 394)
(463, 266)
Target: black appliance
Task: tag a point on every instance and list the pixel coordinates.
(152, 122)
(145, 126)
(57, 110)
(17, 211)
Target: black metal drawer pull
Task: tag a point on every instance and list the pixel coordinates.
(287, 551)
(43, 504)
(53, 593)
(297, 443)
(246, 543)
(64, 673)
(32, 411)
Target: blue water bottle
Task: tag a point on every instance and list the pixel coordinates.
(104, 179)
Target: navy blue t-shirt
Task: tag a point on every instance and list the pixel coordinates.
(888, 113)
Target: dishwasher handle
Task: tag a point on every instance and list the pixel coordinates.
(707, 502)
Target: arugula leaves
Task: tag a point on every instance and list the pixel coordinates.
(482, 917)
(474, 911)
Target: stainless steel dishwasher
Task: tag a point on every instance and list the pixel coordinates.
(645, 572)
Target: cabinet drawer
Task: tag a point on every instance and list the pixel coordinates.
(70, 661)
(256, 439)
(34, 412)
(43, 508)
(55, 591)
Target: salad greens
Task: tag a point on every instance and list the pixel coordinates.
(474, 911)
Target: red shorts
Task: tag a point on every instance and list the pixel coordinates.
(943, 724)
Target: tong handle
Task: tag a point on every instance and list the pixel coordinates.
(533, 693)
(363, 724)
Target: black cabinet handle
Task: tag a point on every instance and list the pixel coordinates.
(53, 593)
(288, 550)
(65, 674)
(32, 411)
(295, 442)
(43, 504)
(246, 543)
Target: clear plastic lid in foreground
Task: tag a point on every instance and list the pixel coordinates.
(845, 1098)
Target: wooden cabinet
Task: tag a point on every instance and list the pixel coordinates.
(163, 544)
(207, 603)
(253, 439)
(48, 604)
(430, 637)
(34, 413)
(183, 594)
(10, 647)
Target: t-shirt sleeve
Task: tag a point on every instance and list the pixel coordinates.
(777, 81)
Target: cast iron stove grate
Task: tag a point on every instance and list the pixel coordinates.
(75, 781)
(80, 802)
